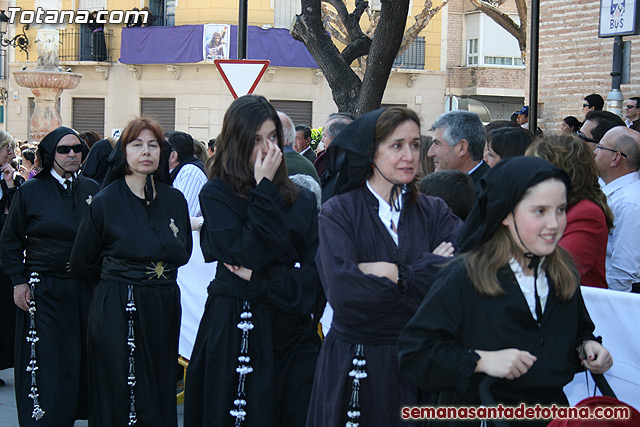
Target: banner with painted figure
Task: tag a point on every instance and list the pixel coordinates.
(215, 41)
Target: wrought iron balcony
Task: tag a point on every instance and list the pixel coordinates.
(80, 44)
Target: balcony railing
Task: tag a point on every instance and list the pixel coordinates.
(80, 44)
(413, 57)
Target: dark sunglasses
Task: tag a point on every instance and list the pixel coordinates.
(65, 149)
(600, 147)
(585, 138)
(586, 106)
(628, 107)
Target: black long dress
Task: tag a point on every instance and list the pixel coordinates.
(278, 242)
(135, 250)
(370, 311)
(436, 347)
(43, 221)
(7, 306)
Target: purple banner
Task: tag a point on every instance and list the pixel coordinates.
(184, 44)
(161, 45)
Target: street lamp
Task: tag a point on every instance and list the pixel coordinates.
(20, 41)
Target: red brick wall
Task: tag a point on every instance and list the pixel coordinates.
(503, 78)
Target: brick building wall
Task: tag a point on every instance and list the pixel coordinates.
(474, 80)
(466, 81)
(574, 62)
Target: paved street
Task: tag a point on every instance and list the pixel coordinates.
(8, 414)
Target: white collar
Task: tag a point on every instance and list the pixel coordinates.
(475, 167)
(620, 182)
(305, 150)
(57, 176)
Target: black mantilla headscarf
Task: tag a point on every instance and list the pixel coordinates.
(350, 156)
(502, 187)
(47, 147)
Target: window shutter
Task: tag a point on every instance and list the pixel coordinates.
(299, 111)
(161, 109)
(88, 114)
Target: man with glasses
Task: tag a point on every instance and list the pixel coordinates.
(593, 102)
(597, 123)
(35, 247)
(632, 113)
(618, 161)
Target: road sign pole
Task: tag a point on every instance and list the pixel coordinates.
(242, 28)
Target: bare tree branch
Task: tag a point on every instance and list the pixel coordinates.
(421, 22)
(521, 5)
(356, 49)
(334, 26)
(505, 21)
(351, 25)
(307, 28)
(375, 50)
(361, 6)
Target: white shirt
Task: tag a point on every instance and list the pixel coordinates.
(60, 179)
(475, 167)
(388, 215)
(305, 150)
(190, 181)
(527, 288)
(623, 250)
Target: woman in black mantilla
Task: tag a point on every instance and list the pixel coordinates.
(9, 182)
(256, 348)
(381, 245)
(510, 305)
(37, 238)
(135, 236)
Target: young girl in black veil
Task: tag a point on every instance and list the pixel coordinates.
(510, 306)
(255, 352)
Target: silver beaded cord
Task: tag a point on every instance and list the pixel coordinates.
(131, 342)
(358, 372)
(244, 368)
(32, 339)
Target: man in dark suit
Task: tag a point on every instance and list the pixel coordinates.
(458, 143)
(303, 139)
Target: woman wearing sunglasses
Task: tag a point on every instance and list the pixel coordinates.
(37, 238)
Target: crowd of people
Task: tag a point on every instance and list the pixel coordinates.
(327, 288)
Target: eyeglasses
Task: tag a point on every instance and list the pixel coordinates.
(600, 147)
(586, 106)
(585, 138)
(628, 107)
(65, 149)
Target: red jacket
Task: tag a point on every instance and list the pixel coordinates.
(585, 238)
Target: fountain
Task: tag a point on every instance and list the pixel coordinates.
(48, 80)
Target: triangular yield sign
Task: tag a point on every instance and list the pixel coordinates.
(241, 75)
